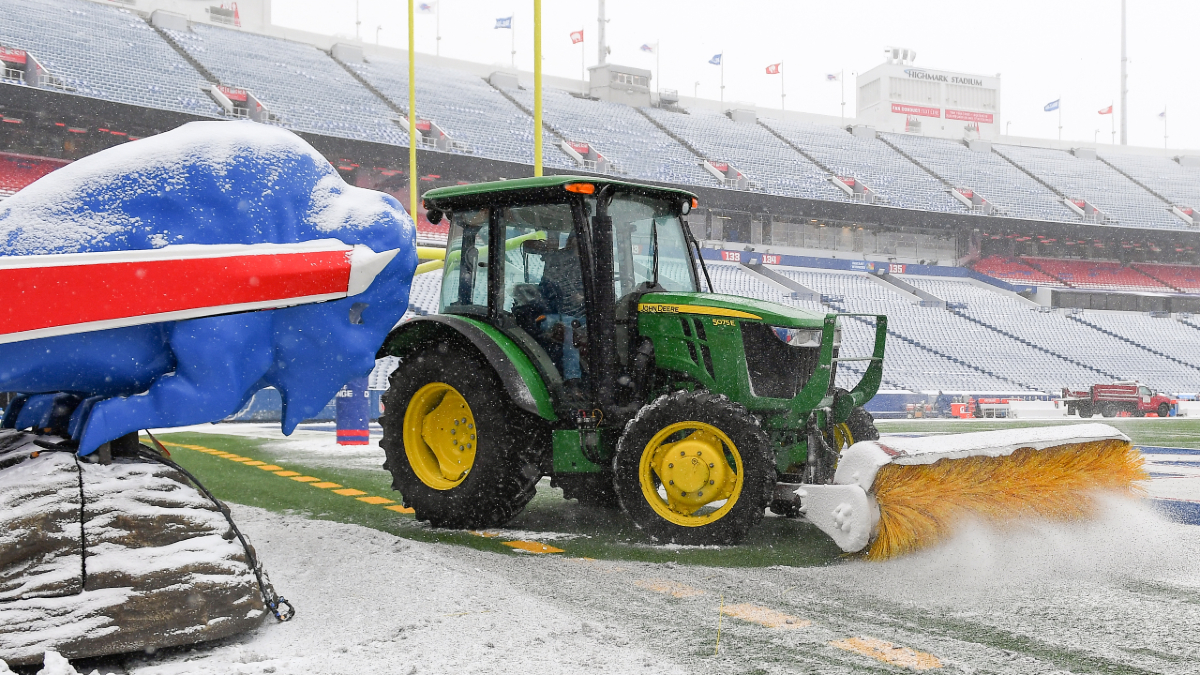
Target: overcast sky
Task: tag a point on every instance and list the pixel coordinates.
(1043, 49)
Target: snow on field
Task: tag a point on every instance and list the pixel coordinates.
(1120, 594)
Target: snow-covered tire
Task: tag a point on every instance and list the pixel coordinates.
(704, 409)
(504, 474)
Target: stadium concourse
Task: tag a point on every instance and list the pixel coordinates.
(1006, 267)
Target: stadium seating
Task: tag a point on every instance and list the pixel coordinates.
(1101, 357)
(301, 84)
(104, 52)
(618, 132)
(1181, 277)
(17, 171)
(896, 180)
(463, 104)
(999, 182)
(1101, 185)
(751, 149)
(1098, 274)
(1177, 183)
(1016, 271)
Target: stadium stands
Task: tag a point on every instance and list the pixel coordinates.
(465, 105)
(999, 182)
(299, 83)
(1009, 269)
(891, 176)
(623, 136)
(17, 171)
(1118, 197)
(1182, 277)
(1102, 274)
(104, 52)
(766, 160)
(1177, 183)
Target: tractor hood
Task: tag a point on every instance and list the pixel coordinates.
(731, 306)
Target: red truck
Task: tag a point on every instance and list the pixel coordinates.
(1111, 400)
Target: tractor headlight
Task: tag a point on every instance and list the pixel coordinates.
(805, 337)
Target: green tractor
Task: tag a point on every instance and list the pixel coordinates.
(574, 340)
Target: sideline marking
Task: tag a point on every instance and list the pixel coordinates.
(668, 587)
(765, 616)
(889, 653)
(389, 504)
(532, 546)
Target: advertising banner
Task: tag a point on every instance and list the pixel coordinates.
(923, 111)
(967, 116)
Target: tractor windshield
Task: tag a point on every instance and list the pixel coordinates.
(649, 245)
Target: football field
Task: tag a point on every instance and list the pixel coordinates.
(568, 588)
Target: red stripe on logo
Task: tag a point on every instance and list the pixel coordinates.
(58, 296)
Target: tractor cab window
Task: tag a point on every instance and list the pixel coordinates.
(543, 283)
(464, 280)
(649, 245)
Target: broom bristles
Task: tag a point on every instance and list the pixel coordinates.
(920, 504)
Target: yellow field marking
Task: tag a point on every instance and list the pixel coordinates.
(765, 616)
(347, 492)
(889, 653)
(532, 546)
(668, 587)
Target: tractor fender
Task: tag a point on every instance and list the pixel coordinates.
(521, 379)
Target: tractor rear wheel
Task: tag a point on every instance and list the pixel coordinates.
(694, 468)
(459, 453)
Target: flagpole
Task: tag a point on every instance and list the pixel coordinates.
(537, 87)
(437, 17)
(842, 81)
(1060, 118)
(512, 36)
(782, 90)
(722, 79)
(1113, 121)
(582, 64)
(658, 69)
(412, 115)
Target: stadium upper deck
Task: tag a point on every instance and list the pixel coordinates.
(109, 53)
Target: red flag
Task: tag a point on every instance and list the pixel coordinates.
(1106, 111)
(576, 37)
(773, 69)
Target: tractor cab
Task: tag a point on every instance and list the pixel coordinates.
(558, 264)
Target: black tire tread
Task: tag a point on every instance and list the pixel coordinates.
(505, 475)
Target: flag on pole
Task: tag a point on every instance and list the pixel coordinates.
(576, 36)
(1106, 111)
(1052, 105)
(427, 7)
(773, 69)
(833, 77)
(650, 48)
(506, 22)
(716, 59)
(1163, 114)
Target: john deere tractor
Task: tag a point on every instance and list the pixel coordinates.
(577, 337)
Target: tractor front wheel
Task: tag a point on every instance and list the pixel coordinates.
(460, 454)
(694, 468)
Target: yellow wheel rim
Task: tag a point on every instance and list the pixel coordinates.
(440, 436)
(842, 438)
(691, 474)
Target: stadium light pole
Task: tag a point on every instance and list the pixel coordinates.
(357, 22)
(537, 87)
(377, 29)
(412, 115)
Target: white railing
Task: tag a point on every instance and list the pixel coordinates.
(13, 74)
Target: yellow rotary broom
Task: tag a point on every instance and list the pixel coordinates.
(900, 494)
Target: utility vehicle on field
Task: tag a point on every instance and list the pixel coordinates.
(577, 337)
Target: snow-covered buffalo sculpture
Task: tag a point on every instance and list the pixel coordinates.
(154, 256)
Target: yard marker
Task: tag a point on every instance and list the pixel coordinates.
(349, 492)
(376, 500)
(326, 485)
